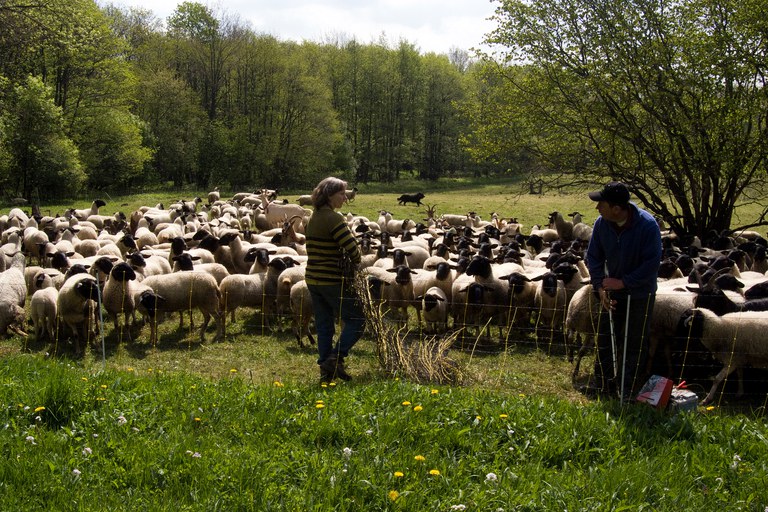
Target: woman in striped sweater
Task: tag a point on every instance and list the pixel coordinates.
(329, 239)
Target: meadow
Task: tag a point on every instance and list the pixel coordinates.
(246, 425)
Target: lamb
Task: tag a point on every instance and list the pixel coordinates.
(285, 283)
(736, 340)
(42, 308)
(302, 311)
(76, 304)
(410, 198)
(13, 295)
(184, 291)
(434, 303)
(351, 194)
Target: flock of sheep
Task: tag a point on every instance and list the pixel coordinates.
(485, 278)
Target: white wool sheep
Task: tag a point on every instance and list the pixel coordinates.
(119, 296)
(302, 311)
(550, 302)
(735, 339)
(581, 321)
(434, 304)
(13, 294)
(42, 307)
(251, 290)
(185, 291)
(76, 304)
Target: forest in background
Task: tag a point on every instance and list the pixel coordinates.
(114, 98)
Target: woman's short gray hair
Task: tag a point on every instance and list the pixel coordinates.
(325, 189)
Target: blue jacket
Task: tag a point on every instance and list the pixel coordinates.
(634, 255)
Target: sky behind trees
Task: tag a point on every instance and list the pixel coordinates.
(433, 25)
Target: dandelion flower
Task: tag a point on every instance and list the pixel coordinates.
(121, 420)
(84, 379)
(503, 416)
(197, 419)
(420, 458)
(711, 408)
(491, 477)
(233, 370)
(434, 472)
(323, 385)
(103, 386)
(521, 395)
(319, 406)
(418, 408)
(347, 452)
(87, 451)
(278, 384)
(393, 495)
(406, 403)
(398, 474)
(30, 440)
(434, 391)
(38, 409)
(332, 384)
(76, 472)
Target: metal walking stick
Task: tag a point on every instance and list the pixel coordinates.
(624, 359)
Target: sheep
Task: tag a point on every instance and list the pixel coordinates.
(146, 264)
(119, 296)
(42, 308)
(87, 212)
(581, 319)
(550, 300)
(564, 227)
(434, 303)
(736, 340)
(520, 299)
(304, 200)
(396, 226)
(75, 305)
(285, 282)
(184, 291)
(214, 195)
(13, 295)
(351, 194)
(250, 290)
(302, 311)
(396, 289)
(410, 198)
(186, 262)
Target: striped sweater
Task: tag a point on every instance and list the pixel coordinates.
(327, 234)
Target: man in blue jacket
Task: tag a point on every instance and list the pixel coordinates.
(623, 258)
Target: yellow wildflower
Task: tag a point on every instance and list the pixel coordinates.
(434, 391)
(103, 386)
(503, 416)
(320, 406)
(393, 495)
(418, 408)
(406, 403)
(233, 370)
(420, 458)
(399, 474)
(434, 472)
(38, 409)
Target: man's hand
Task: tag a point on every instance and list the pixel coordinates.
(605, 300)
(611, 284)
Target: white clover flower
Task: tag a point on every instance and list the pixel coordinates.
(347, 452)
(26, 408)
(459, 507)
(510, 432)
(121, 420)
(87, 451)
(76, 472)
(196, 455)
(38, 419)
(30, 440)
(135, 429)
(491, 477)
(95, 436)
(735, 463)
(369, 432)
(188, 452)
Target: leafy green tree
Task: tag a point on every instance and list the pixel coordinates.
(44, 162)
(112, 150)
(667, 96)
(176, 120)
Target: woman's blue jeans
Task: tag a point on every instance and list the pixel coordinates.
(330, 304)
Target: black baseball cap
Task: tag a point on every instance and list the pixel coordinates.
(614, 192)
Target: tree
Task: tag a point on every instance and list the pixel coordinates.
(667, 96)
(44, 162)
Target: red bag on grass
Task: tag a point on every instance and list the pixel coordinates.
(656, 392)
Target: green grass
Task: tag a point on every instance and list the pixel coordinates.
(248, 407)
(166, 440)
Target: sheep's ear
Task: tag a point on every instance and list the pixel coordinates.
(414, 272)
(694, 289)
(437, 297)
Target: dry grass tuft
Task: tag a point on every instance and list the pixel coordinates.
(415, 358)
